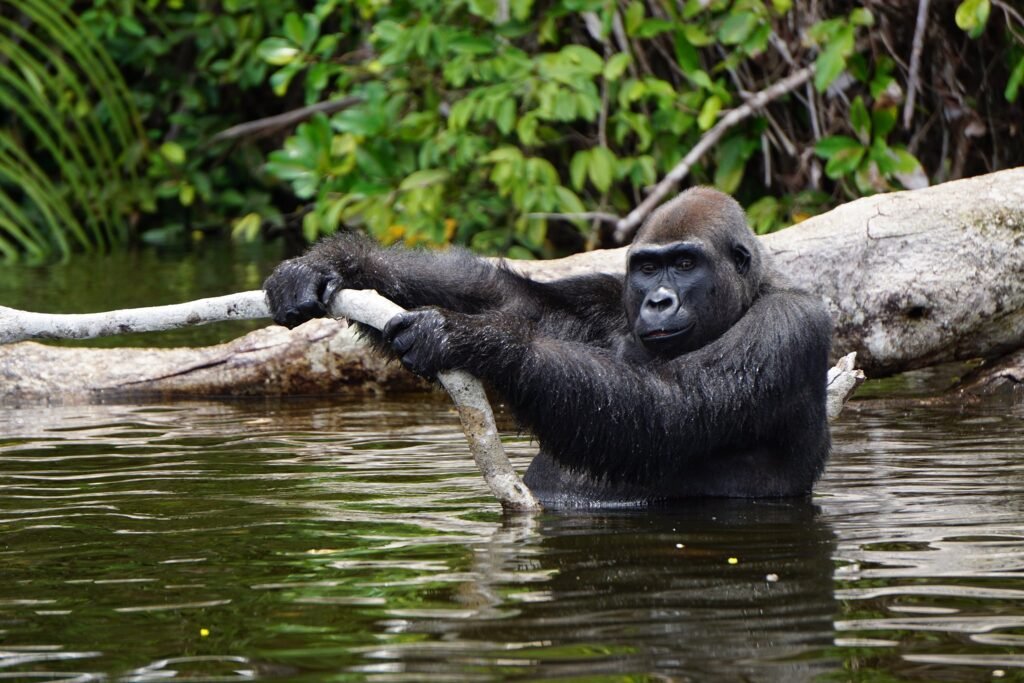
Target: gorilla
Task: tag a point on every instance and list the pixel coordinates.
(701, 373)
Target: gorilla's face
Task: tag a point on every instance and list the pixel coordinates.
(676, 297)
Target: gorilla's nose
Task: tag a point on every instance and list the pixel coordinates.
(661, 300)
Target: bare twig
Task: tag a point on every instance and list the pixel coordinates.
(288, 118)
(365, 306)
(625, 227)
(915, 62)
(18, 325)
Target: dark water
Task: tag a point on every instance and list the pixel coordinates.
(354, 541)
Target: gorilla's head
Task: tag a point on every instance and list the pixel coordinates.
(693, 270)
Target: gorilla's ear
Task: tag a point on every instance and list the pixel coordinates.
(741, 257)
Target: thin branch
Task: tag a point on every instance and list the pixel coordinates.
(288, 118)
(625, 227)
(915, 62)
(1009, 11)
(365, 306)
(18, 325)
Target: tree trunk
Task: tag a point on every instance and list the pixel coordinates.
(321, 357)
(911, 279)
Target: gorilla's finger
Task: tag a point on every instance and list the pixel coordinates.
(394, 326)
(399, 332)
(330, 287)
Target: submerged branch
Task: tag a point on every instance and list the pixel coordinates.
(364, 306)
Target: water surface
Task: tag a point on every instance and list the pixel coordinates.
(347, 541)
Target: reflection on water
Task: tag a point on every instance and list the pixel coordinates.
(354, 541)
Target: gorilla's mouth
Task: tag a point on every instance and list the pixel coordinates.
(665, 335)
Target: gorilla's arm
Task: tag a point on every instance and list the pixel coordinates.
(453, 279)
(762, 382)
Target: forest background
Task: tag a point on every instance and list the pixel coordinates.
(530, 129)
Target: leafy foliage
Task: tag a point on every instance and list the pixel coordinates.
(70, 141)
(513, 126)
(479, 121)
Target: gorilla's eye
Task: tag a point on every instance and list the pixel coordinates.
(685, 263)
(648, 268)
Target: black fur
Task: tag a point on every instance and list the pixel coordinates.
(731, 406)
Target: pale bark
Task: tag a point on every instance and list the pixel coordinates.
(322, 357)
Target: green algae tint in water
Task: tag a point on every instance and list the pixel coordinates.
(312, 542)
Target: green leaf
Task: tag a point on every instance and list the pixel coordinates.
(737, 27)
(764, 214)
(634, 17)
(696, 36)
(311, 29)
(686, 54)
(862, 17)
(709, 112)
(578, 168)
(526, 129)
(834, 144)
(521, 9)
(514, 252)
(1013, 83)
(583, 58)
(829, 64)
(701, 78)
(424, 178)
(568, 202)
(471, 45)
(282, 78)
(601, 168)
(506, 117)
(173, 152)
(311, 226)
(186, 194)
(731, 162)
(972, 15)
(860, 120)
(616, 66)
(883, 120)
(844, 161)
(535, 233)
(277, 51)
(654, 27)
(905, 161)
(294, 28)
(246, 228)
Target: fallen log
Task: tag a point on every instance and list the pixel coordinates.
(911, 278)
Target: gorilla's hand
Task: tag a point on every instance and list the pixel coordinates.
(423, 340)
(298, 291)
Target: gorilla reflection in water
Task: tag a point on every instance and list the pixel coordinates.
(641, 594)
